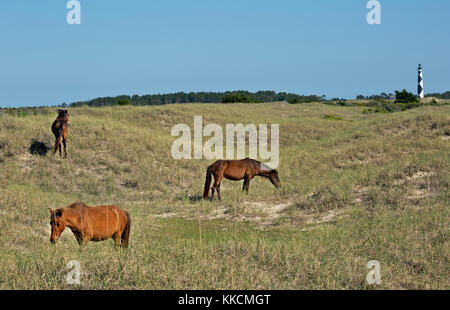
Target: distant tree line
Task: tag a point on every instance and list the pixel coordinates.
(376, 97)
(237, 97)
(198, 97)
(445, 95)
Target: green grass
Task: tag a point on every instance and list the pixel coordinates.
(372, 187)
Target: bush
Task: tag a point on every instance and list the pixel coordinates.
(332, 117)
(386, 106)
(294, 101)
(375, 110)
(407, 106)
(405, 97)
(238, 98)
(123, 102)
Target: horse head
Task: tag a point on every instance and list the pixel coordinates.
(58, 224)
(64, 115)
(273, 176)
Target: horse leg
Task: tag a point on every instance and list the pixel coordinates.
(116, 238)
(65, 150)
(216, 185)
(79, 239)
(82, 240)
(246, 184)
(57, 144)
(212, 192)
(213, 188)
(218, 192)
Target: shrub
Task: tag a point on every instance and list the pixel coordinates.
(294, 101)
(237, 97)
(123, 102)
(375, 110)
(332, 117)
(405, 97)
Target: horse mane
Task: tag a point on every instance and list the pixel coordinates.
(253, 160)
(76, 205)
(62, 114)
(263, 166)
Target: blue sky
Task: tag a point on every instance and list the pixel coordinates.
(160, 46)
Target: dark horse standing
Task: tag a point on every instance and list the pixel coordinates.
(235, 170)
(60, 129)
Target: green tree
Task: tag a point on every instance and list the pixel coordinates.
(123, 102)
(405, 97)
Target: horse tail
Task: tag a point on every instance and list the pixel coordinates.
(126, 232)
(58, 132)
(207, 182)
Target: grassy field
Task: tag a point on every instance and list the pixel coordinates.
(356, 187)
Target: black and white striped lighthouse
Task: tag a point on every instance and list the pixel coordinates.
(420, 92)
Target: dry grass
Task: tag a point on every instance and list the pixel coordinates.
(361, 188)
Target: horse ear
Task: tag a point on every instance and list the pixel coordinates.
(51, 210)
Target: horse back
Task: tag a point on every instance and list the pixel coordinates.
(236, 169)
(108, 213)
(59, 127)
(98, 222)
(55, 127)
(103, 221)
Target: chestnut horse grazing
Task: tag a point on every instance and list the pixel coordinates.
(60, 129)
(235, 170)
(91, 223)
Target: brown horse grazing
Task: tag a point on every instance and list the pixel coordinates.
(91, 223)
(235, 170)
(60, 129)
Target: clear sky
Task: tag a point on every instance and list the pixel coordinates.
(160, 46)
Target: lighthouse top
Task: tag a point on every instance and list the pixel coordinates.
(420, 67)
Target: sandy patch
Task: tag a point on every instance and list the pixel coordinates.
(165, 215)
(25, 161)
(327, 217)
